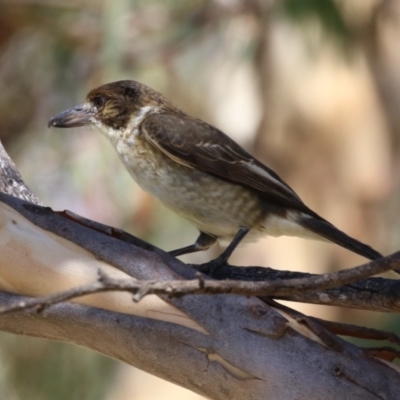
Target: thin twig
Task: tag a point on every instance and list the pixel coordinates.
(339, 328)
(140, 289)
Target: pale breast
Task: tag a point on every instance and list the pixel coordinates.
(211, 204)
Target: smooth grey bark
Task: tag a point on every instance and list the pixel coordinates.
(287, 366)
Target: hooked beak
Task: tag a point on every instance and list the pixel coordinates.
(76, 116)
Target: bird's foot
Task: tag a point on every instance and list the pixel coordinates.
(203, 242)
(209, 268)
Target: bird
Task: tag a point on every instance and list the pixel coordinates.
(199, 172)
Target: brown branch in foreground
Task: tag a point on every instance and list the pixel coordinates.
(375, 294)
(339, 328)
(334, 279)
(201, 286)
(327, 331)
(289, 287)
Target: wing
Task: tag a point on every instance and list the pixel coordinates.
(196, 144)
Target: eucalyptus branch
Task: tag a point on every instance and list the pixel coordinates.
(375, 294)
(177, 288)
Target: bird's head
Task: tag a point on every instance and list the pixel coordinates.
(114, 108)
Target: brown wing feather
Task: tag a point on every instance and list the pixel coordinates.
(196, 144)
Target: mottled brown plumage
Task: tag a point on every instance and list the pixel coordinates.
(198, 171)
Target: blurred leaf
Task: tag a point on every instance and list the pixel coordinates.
(325, 11)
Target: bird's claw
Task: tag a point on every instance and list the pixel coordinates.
(209, 268)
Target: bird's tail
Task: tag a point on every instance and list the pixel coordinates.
(328, 231)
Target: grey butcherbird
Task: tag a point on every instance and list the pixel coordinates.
(197, 171)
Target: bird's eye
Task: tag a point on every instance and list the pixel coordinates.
(99, 101)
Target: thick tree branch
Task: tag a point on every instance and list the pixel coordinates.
(223, 347)
(11, 181)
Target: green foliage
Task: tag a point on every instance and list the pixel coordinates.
(325, 11)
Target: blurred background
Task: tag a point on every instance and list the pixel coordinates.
(311, 87)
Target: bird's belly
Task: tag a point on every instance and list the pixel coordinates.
(211, 204)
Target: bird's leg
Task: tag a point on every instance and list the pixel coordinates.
(203, 242)
(211, 266)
